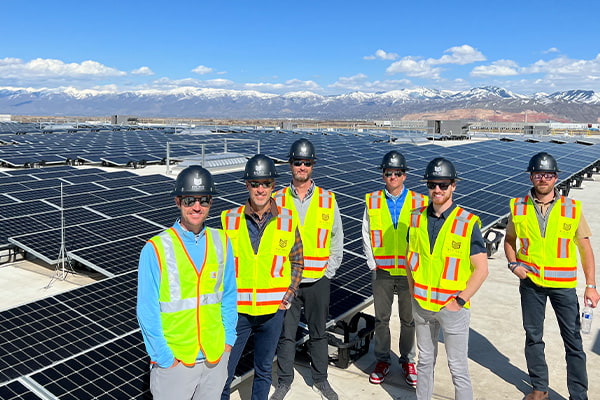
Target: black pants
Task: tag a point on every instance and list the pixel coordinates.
(314, 297)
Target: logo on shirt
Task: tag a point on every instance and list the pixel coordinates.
(282, 243)
(455, 245)
(325, 217)
(567, 227)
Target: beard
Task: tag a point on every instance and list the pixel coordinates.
(301, 178)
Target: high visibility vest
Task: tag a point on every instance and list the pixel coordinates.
(442, 274)
(388, 243)
(190, 301)
(551, 261)
(262, 278)
(316, 229)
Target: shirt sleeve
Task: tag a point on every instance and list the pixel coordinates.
(583, 229)
(148, 308)
(229, 302)
(477, 243)
(297, 263)
(336, 251)
(366, 237)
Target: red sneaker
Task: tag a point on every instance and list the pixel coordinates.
(410, 373)
(378, 375)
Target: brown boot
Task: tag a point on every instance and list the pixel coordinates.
(537, 395)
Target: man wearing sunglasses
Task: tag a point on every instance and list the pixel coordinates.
(385, 225)
(549, 228)
(447, 260)
(186, 299)
(320, 225)
(268, 255)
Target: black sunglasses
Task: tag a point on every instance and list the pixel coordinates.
(395, 173)
(190, 201)
(255, 184)
(298, 163)
(547, 176)
(443, 186)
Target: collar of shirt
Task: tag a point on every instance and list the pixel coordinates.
(272, 212)
(186, 235)
(540, 203)
(309, 193)
(444, 215)
(395, 198)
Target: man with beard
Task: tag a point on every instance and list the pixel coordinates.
(447, 261)
(320, 225)
(269, 260)
(186, 299)
(384, 228)
(549, 227)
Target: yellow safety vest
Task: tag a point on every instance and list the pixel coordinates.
(262, 278)
(551, 260)
(440, 275)
(316, 230)
(389, 243)
(190, 301)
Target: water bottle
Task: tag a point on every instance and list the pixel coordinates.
(586, 318)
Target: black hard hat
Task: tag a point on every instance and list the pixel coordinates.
(440, 168)
(302, 149)
(260, 167)
(194, 181)
(542, 162)
(393, 159)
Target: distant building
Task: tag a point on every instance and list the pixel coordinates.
(439, 127)
(123, 120)
(5, 117)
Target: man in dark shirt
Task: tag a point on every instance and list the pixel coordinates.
(447, 261)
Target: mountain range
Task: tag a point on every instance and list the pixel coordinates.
(489, 103)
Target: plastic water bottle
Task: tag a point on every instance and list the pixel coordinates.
(586, 318)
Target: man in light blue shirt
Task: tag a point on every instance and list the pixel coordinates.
(187, 297)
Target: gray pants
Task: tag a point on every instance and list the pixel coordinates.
(384, 288)
(455, 326)
(200, 381)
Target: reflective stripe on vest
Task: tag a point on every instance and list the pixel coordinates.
(262, 278)
(551, 260)
(388, 243)
(439, 275)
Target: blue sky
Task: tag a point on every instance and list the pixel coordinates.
(326, 47)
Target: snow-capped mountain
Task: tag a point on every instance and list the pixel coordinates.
(190, 102)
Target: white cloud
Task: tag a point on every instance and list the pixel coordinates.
(460, 55)
(551, 50)
(142, 71)
(381, 55)
(167, 83)
(497, 68)
(414, 67)
(16, 68)
(202, 70)
(360, 82)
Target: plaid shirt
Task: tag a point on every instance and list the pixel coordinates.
(256, 228)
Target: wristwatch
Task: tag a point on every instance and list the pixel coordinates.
(460, 301)
(286, 304)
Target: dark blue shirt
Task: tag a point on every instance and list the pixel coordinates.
(434, 224)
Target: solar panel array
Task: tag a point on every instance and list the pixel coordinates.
(86, 343)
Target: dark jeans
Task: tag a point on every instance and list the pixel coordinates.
(267, 329)
(566, 307)
(315, 299)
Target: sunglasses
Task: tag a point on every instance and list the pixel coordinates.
(395, 173)
(547, 176)
(442, 186)
(297, 163)
(190, 201)
(256, 184)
